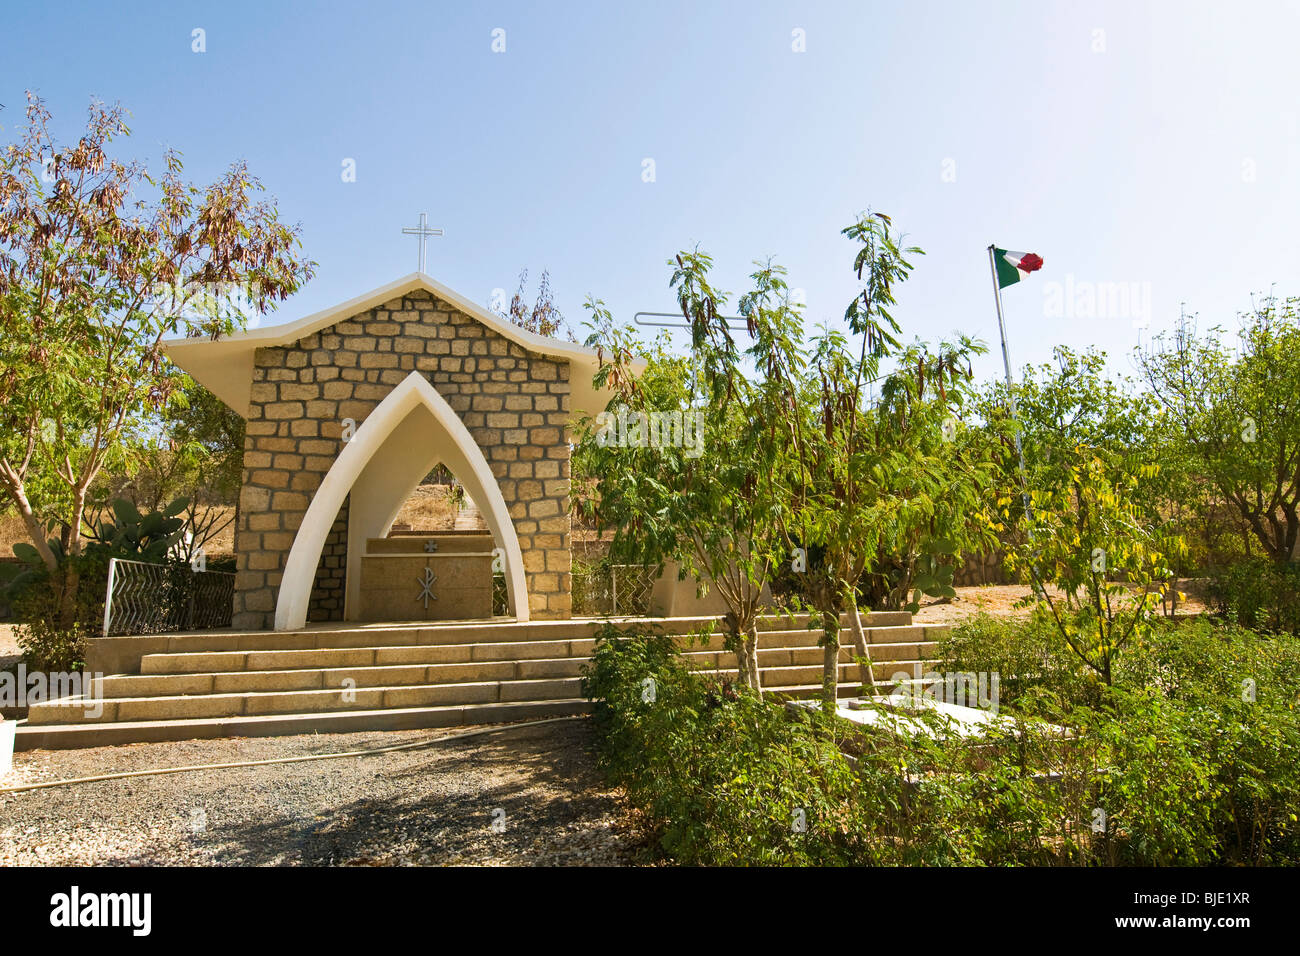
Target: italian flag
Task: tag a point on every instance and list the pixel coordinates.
(1014, 266)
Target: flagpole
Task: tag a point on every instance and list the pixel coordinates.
(1011, 394)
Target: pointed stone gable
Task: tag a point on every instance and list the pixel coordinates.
(514, 402)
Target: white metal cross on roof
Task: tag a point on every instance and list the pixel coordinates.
(424, 232)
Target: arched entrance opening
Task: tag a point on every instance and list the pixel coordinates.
(438, 510)
(438, 503)
(410, 432)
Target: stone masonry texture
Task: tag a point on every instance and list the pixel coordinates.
(515, 404)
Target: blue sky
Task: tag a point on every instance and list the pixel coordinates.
(1150, 145)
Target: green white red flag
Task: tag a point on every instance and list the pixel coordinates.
(1014, 266)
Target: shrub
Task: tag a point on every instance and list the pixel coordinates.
(1259, 593)
(1029, 657)
(1173, 764)
(48, 648)
(1232, 698)
(591, 586)
(36, 599)
(35, 593)
(1194, 746)
(723, 777)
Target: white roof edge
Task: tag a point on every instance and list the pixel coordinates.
(289, 332)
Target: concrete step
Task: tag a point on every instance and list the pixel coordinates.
(213, 696)
(794, 637)
(346, 677)
(123, 654)
(193, 662)
(800, 621)
(76, 735)
(250, 704)
(224, 661)
(805, 691)
(186, 675)
(173, 684)
(408, 634)
(811, 675)
(909, 634)
(782, 656)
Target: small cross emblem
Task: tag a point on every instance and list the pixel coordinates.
(430, 547)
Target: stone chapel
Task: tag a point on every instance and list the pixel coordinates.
(348, 409)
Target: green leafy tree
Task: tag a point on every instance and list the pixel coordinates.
(892, 499)
(1235, 414)
(936, 476)
(208, 438)
(1068, 411)
(193, 450)
(830, 511)
(715, 507)
(880, 484)
(1099, 529)
(86, 243)
(1105, 556)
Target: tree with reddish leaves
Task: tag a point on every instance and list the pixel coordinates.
(544, 317)
(99, 261)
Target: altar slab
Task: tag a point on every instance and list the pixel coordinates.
(437, 577)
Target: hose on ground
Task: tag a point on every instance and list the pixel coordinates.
(409, 745)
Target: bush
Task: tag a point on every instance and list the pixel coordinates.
(34, 593)
(591, 593)
(35, 596)
(51, 649)
(1259, 593)
(1196, 740)
(724, 777)
(1030, 658)
(1232, 698)
(1174, 764)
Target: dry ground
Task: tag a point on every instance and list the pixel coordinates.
(999, 600)
(428, 806)
(429, 508)
(9, 652)
(12, 530)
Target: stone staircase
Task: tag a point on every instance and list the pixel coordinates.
(348, 677)
(469, 517)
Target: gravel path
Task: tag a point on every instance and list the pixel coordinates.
(428, 806)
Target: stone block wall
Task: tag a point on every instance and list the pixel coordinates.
(981, 569)
(515, 404)
(329, 591)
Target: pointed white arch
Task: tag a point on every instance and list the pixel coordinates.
(462, 455)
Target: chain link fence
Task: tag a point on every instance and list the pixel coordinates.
(146, 598)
